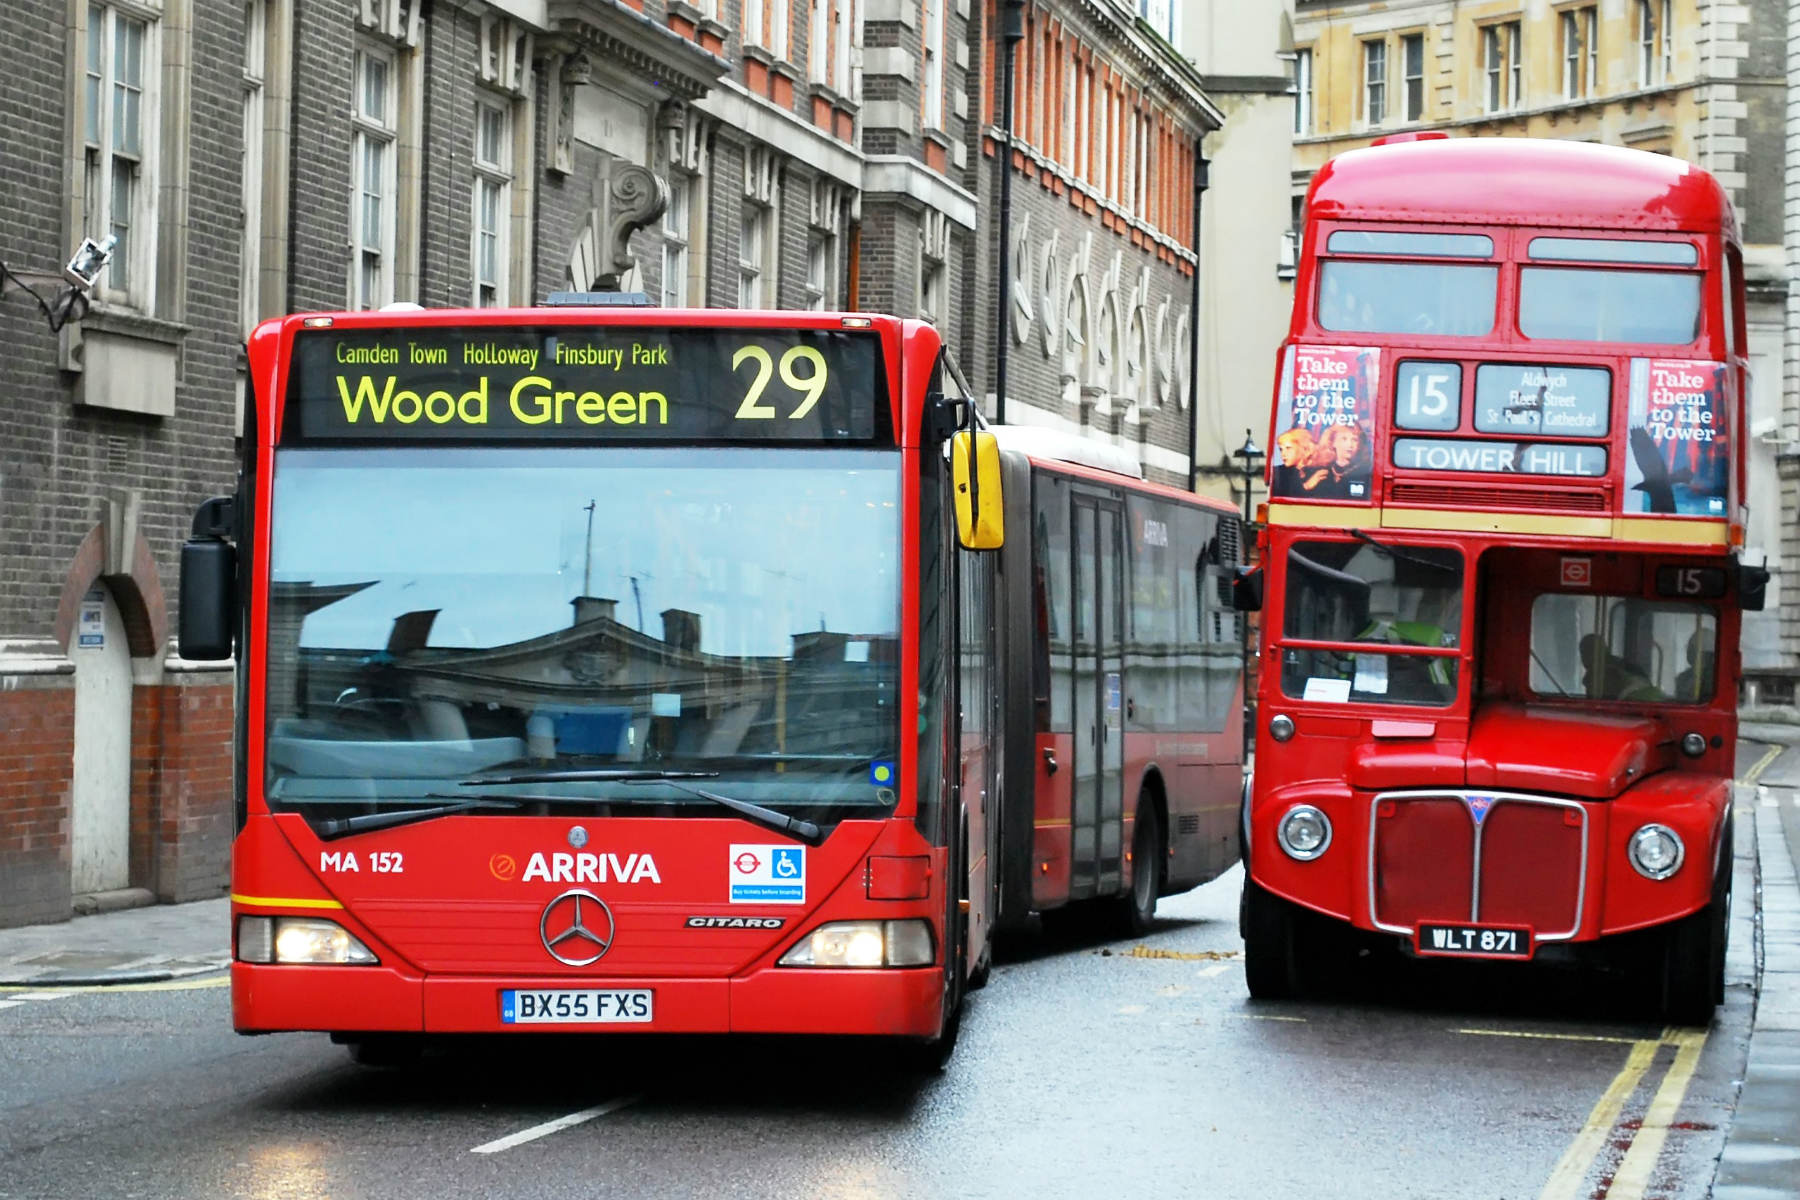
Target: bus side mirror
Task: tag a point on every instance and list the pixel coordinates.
(975, 467)
(1247, 589)
(1752, 586)
(208, 584)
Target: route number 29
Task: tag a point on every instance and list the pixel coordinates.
(809, 386)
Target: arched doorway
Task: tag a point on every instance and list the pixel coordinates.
(100, 792)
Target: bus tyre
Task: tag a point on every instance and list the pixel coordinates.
(1137, 907)
(1271, 968)
(1693, 964)
(386, 1050)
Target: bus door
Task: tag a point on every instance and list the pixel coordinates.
(1096, 833)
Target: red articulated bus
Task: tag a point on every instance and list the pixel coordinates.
(1497, 708)
(1123, 684)
(599, 671)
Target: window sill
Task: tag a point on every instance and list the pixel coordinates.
(687, 12)
(833, 97)
(124, 361)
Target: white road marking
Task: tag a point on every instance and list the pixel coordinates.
(1215, 969)
(10, 1003)
(1131, 1010)
(556, 1126)
(39, 996)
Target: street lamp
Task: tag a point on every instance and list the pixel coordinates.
(1252, 455)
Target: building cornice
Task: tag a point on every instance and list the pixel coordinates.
(734, 105)
(1148, 48)
(656, 53)
(896, 175)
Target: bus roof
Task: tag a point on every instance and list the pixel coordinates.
(1520, 181)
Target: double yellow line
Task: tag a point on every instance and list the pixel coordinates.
(1632, 1177)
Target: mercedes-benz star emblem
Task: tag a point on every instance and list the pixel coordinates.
(578, 837)
(569, 916)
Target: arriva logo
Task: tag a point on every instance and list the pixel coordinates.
(591, 868)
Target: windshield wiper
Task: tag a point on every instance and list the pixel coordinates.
(1403, 555)
(332, 828)
(768, 818)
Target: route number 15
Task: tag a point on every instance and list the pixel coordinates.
(1428, 395)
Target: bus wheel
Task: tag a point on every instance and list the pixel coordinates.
(1137, 908)
(1693, 965)
(386, 1050)
(1269, 927)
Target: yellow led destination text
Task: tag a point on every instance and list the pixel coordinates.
(533, 400)
(559, 384)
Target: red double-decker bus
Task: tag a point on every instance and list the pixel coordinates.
(601, 668)
(1499, 655)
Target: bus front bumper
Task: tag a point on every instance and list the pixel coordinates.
(782, 1000)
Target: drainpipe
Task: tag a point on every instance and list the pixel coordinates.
(1012, 32)
(1200, 182)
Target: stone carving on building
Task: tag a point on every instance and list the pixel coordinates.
(396, 19)
(1023, 313)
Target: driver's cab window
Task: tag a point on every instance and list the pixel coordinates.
(1623, 648)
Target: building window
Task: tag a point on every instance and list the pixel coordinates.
(1412, 59)
(1500, 60)
(780, 21)
(1374, 82)
(933, 45)
(754, 277)
(932, 290)
(1653, 42)
(119, 198)
(843, 78)
(250, 195)
(1667, 25)
(374, 130)
(493, 200)
(818, 42)
(821, 253)
(678, 232)
(1303, 92)
(1579, 53)
(753, 23)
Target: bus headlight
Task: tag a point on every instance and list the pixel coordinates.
(1304, 832)
(299, 940)
(1656, 851)
(864, 944)
(1281, 727)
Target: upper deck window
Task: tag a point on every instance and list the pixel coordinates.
(1585, 305)
(1662, 254)
(1435, 299)
(1413, 245)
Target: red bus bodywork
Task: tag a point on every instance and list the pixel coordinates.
(451, 908)
(1527, 459)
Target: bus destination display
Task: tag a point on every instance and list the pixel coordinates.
(617, 383)
(1543, 398)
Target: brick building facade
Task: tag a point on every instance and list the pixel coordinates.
(255, 157)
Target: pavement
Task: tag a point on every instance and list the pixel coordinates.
(1761, 1160)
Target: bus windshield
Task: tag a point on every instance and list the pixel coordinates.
(437, 615)
(1377, 595)
(1623, 648)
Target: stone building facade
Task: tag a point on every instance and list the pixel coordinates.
(1108, 123)
(1703, 80)
(256, 157)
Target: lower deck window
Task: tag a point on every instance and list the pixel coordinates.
(1623, 648)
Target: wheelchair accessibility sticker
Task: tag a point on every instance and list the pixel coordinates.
(767, 874)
